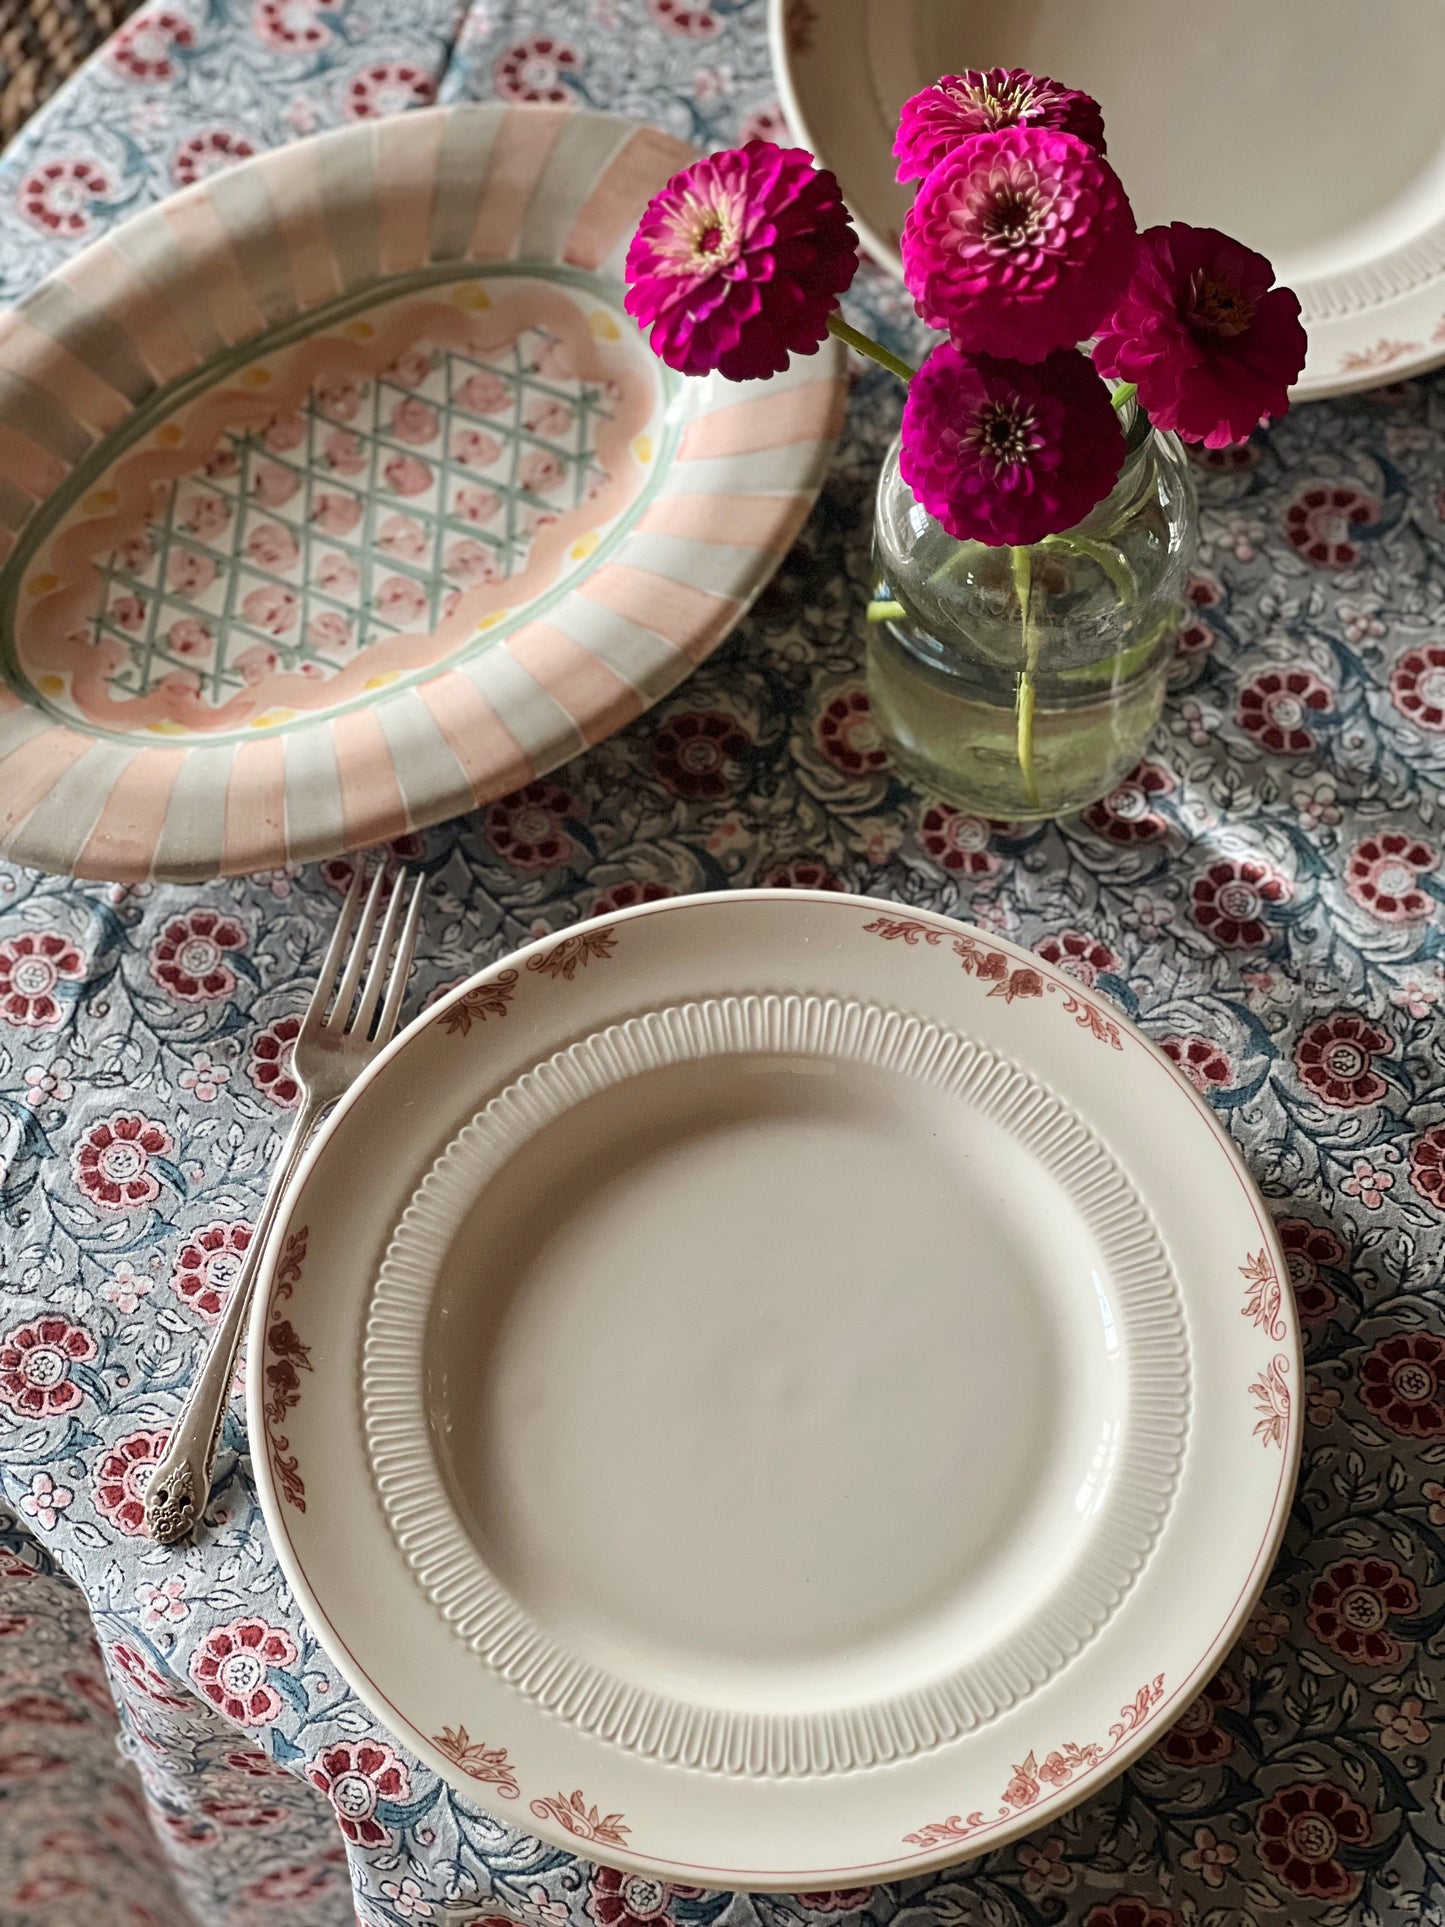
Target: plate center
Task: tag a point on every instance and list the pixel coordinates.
(775, 1380)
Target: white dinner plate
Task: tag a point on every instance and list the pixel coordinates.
(1311, 129)
(774, 1390)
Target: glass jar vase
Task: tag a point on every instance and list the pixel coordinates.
(1024, 683)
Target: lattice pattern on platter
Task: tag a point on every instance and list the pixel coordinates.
(361, 515)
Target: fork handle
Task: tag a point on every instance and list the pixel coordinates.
(181, 1483)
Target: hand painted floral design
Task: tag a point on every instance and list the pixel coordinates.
(33, 966)
(1335, 1059)
(112, 1163)
(356, 1776)
(1277, 706)
(1383, 876)
(848, 735)
(207, 1266)
(1353, 1603)
(529, 828)
(1320, 523)
(1301, 1833)
(189, 958)
(1128, 814)
(37, 1367)
(1233, 899)
(122, 1476)
(231, 1668)
(1402, 1381)
(269, 1065)
(700, 754)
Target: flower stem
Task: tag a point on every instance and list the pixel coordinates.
(866, 345)
(886, 611)
(1023, 584)
(1124, 394)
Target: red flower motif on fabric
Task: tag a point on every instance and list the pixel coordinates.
(122, 1477)
(188, 958)
(959, 843)
(698, 755)
(1201, 1060)
(1080, 956)
(269, 1064)
(1427, 1166)
(32, 967)
(292, 26)
(628, 894)
(838, 1900)
(58, 197)
(212, 152)
(1402, 1381)
(1383, 876)
(356, 1776)
(1319, 523)
(1307, 1247)
(231, 1665)
(1127, 814)
(1352, 1604)
(208, 1265)
(1300, 1833)
(527, 828)
(1124, 1911)
(848, 735)
(111, 1164)
(36, 1362)
(389, 88)
(1233, 898)
(802, 876)
(1275, 707)
(144, 49)
(1335, 1058)
(1417, 686)
(1196, 1737)
(684, 17)
(537, 69)
(137, 1671)
(631, 1899)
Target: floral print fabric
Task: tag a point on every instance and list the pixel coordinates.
(1264, 895)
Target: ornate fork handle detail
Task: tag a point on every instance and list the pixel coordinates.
(181, 1483)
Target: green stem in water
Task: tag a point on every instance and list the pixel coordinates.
(1111, 561)
(1023, 584)
(1124, 394)
(886, 611)
(866, 345)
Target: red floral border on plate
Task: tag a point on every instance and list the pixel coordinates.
(286, 1357)
(488, 1764)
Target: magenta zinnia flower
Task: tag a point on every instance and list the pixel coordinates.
(1019, 243)
(739, 261)
(1008, 451)
(980, 101)
(1212, 345)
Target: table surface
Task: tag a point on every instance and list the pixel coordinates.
(1264, 897)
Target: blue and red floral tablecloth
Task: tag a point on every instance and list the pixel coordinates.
(1265, 896)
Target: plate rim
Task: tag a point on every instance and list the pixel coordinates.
(1153, 1720)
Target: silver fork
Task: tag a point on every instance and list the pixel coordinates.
(334, 1044)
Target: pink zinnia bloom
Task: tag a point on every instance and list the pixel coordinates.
(1007, 451)
(1019, 243)
(980, 101)
(739, 261)
(1212, 345)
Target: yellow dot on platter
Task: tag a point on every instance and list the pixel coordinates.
(381, 681)
(269, 717)
(359, 330)
(167, 729)
(257, 377)
(470, 298)
(584, 545)
(98, 501)
(491, 621)
(168, 434)
(642, 449)
(52, 685)
(39, 585)
(603, 326)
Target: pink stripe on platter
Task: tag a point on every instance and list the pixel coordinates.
(628, 183)
(255, 807)
(28, 466)
(104, 279)
(812, 412)
(596, 698)
(39, 359)
(767, 522)
(202, 233)
(493, 760)
(692, 620)
(519, 155)
(294, 194)
(28, 776)
(406, 170)
(123, 843)
(372, 805)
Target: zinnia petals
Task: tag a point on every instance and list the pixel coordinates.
(1212, 345)
(1019, 243)
(739, 261)
(980, 101)
(1002, 451)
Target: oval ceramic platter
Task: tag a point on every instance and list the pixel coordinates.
(1309, 128)
(774, 1390)
(338, 494)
